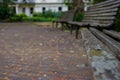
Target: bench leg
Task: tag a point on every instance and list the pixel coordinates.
(67, 26)
(77, 30)
(71, 29)
(56, 24)
(53, 24)
(62, 25)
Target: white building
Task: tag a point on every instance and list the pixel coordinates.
(87, 3)
(30, 6)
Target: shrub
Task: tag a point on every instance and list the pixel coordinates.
(4, 12)
(38, 19)
(57, 14)
(47, 14)
(18, 17)
(79, 16)
(37, 14)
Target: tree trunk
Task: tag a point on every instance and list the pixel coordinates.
(78, 4)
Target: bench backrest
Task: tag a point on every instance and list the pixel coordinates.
(68, 16)
(102, 14)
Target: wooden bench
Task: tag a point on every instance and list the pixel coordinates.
(104, 63)
(101, 42)
(100, 20)
(55, 22)
(66, 16)
(101, 15)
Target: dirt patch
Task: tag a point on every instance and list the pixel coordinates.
(43, 24)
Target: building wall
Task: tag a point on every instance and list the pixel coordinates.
(38, 6)
(52, 7)
(49, 1)
(87, 3)
(27, 10)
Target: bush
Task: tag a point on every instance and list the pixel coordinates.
(37, 14)
(79, 16)
(18, 17)
(47, 14)
(38, 19)
(57, 14)
(4, 12)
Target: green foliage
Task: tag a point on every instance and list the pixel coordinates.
(97, 1)
(4, 12)
(38, 19)
(48, 14)
(43, 17)
(117, 23)
(37, 14)
(18, 17)
(68, 3)
(57, 14)
(79, 16)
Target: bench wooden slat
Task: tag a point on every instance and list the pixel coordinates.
(92, 23)
(102, 3)
(112, 44)
(104, 8)
(78, 23)
(114, 34)
(89, 21)
(102, 14)
(100, 25)
(107, 4)
(101, 18)
(102, 57)
(66, 16)
(101, 11)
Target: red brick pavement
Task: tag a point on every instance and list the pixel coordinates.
(28, 52)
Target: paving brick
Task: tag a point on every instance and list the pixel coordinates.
(28, 52)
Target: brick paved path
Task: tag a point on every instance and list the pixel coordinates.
(28, 52)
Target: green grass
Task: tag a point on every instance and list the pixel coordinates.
(66, 30)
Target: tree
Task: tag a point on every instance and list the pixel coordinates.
(5, 10)
(68, 3)
(74, 3)
(6, 2)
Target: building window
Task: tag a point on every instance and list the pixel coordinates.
(59, 8)
(23, 10)
(31, 10)
(43, 10)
